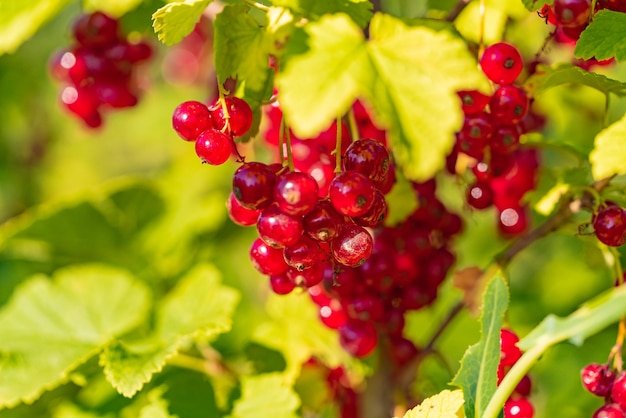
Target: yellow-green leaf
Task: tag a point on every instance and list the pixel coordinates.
(176, 20)
(609, 153)
(445, 404)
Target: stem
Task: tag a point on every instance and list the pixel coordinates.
(338, 147)
(456, 10)
(281, 141)
(508, 384)
(616, 351)
(354, 128)
(607, 102)
(256, 5)
(481, 28)
(288, 144)
(189, 362)
(377, 401)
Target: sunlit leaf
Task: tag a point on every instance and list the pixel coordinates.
(445, 404)
(265, 396)
(547, 77)
(358, 10)
(609, 153)
(114, 8)
(477, 375)
(177, 19)
(51, 326)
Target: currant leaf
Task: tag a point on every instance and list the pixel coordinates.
(98, 303)
(198, 307)
(445, 404)
(477, 375)
(114, 8)
(20, 20)
(403, 72)
(607, 157)
(547, 77)
(177, 19)
(266, 395)
(602, 39)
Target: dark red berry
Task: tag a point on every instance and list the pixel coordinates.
(278, 229)
(359, 338)
(369, 157)
(610, 225)
(303, 254)
(281, 284)
(509, 351)
(214, 147)
(513, 220)
(618, 391)
(502, 63)
(611, 410)
(240, 215)
(96, 30)
(323, 222)
(480, 195)
(377, 213)
(473, 101)
(267, 260)
(332, 314)
(253, 185)
(509, 104)
(518, 408)
(572, 13)
(505, 139)
(597, 379)
(307, 277)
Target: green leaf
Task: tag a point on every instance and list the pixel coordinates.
(533, 5)
(547, 78)
(266, 396)
(115, 8)
(477, 375)
(405, 73)
(198, 307)
(603, 38)
(360, 11)
(51, 326)
(609, 153)
(445, 404)
(19, 20)
(176, 20)
(157, 407)
(295, 330)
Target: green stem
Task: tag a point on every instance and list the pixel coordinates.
(256, 5)
(354, 128)
(281, 142)
(338, 147)
(512, 378)
(288, 146)
(607, 102)
(189, 362)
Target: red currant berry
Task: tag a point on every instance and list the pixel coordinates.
(509, 351)
(524, 387)
(377, 213)
(480, 195)
(322, 223)
(267, 260)
(214, 147)
(505, 139)
(351, 193)
(502, 63)
(402, 351)
(239, 115)
(572, 13)
(307, 277)
(509, 104)
(278, 229)
(190, 119)
(281, 284)
(295, 192)
(253, 185)
(473, 101)
(332, 314)
(359, 338)
(96, 30)
(615, 5)
(611, 410)
(352, 246)
(597, 379)
(618, 391)
(518, 408)
(303, 254)
(240, 215)
(513, 220)
(610, 225)
(369, 157)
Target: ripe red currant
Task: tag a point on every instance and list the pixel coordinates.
(610, 225)
(239, 118)
(502, 63)
(214, 147)
(190, 119)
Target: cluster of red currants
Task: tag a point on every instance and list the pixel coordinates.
(571, 17)
(212, 128)
(601, 380)
(504, 170)
(518, 405)
(609, 224)
(97, 71)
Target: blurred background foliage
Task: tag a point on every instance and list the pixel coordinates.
(135, 196)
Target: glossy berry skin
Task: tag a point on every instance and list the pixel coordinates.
(572, 13)
(518, 408)
(618, 391)
(505, 139)
(240, 215)
(253, 185)
(322, 223)
(377, 213)
(352, 246)
(597, 379)
(359, 338)
(611, 410)
(281, 284)
(332, 314)
(278, 229)
(214, 147)
(502, 63)
(96, 30)
(351, 193)
(239, 112)
(190, 119)
(509, 352)
(295, 193)
(267, 260)
(513, 220)
(615, 5)
(369, 157)
(509, 104)
(610, 225)
(307, 277)
(473, 101)
(303, 254)
(480, 195)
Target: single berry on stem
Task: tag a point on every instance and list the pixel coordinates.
(190, 119)
(239, 118)
(502, 63)
(214, 147)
